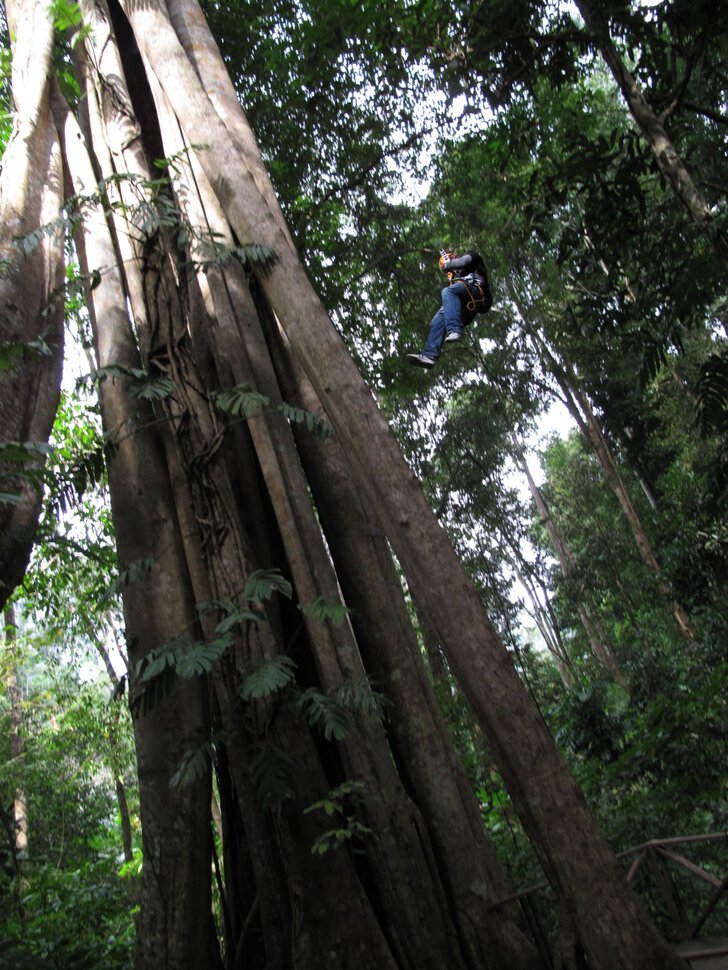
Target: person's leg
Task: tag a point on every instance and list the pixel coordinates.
(452, 297)
(436, 336)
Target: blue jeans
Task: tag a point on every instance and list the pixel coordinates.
(452, 316)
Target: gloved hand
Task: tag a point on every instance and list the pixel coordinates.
(444, 262)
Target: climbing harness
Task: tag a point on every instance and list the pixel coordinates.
(474, 301)
(479, 295)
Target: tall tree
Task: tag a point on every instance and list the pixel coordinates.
(183, 274)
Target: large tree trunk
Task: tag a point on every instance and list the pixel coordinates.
(200, 503)
(158, 606)
(612, 926)
(421, 746)
(31, 294)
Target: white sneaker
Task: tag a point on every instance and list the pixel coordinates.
(420, 360)
(454, 337)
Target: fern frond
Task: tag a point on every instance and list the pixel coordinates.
(262, 583)
(712, 394)
(325, 713)
(141, 383)
(313, 422)
(241, 400)
(272, 771)
(202, 656)
(321, 610)
(185, 657)
(267, 677)
(194, 765)
(358, 695)
(257, 256)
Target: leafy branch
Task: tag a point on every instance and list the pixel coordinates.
(338, 804)
(244, 401)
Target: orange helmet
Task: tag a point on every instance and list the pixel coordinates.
(444, 257)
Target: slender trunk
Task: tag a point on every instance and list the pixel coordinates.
(580, 409)
(121, 800)
(17, 743)
(543, 619)
(606, 460)
(669, 161)
(599, 647)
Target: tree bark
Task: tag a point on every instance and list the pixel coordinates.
(175, 822)
(31, 296)
(421, 744)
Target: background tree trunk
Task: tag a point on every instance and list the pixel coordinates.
(17, 743)
(31, 289)
(668, 158)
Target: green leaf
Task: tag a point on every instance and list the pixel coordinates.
(141, 383)
(324, 713)
(202, 656)
(152, 389)
(321, 610)
(237, 617)
(241, 400)
(358, 695)
(338, 802)
(313, 422)
(268, 676)
(260, 257)
(262, 583)
(272, 770)
(195, 765)
(66, 14)
(185, 657)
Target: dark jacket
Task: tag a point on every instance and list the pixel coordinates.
(469, 264)
(470, 268)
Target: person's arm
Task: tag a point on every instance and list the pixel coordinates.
(462, 262)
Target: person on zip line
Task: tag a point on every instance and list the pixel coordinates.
(467, 293)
